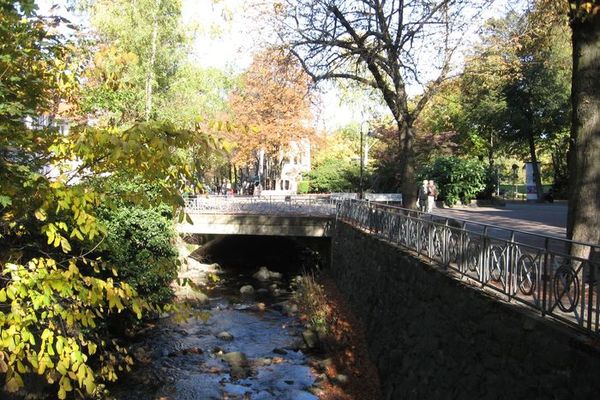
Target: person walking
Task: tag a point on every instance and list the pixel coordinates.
(422, 196)
(431, 195)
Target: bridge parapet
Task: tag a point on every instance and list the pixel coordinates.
(261, 205)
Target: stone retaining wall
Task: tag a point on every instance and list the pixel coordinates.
(433, 337)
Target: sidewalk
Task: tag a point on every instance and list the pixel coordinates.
(545, 219)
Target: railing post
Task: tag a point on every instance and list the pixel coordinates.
(465, 250)
(591, 282)
(445, 245)
(544, 279)
(510, 266)
(484, 258)
(430, 229)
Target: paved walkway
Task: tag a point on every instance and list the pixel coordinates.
(545, 219)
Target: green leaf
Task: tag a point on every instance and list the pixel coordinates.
(5, 201)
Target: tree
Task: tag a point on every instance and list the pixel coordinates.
(138, 52)
(383, 45)
(584, 208)
(272, 107)
(537, 91)
(482, 84)
(515, 86)
(55, 293)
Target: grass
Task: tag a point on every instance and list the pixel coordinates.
(312, 301)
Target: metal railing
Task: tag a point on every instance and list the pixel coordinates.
(311, 205)
(534, 270)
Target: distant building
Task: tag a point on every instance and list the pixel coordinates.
(283, 175)
(52, 172)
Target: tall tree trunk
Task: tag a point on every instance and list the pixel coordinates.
(584, 153)
(406, 168)
(150, 72)
(537, 178)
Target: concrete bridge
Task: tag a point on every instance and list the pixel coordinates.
(298, 216)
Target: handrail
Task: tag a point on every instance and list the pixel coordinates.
(552, 282)
(498, 227)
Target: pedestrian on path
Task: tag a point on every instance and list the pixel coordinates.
(431, 195)
(422, 196)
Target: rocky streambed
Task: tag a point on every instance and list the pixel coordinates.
(244, 343)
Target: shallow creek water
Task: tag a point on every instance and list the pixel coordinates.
(188, 360)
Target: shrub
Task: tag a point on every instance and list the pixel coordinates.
(139, 244)
(334, 175)
(303, 187)
(456, 178)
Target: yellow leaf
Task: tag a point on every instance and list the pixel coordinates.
(20, 367)
(66, 247)
(77, 234)
(65, 383)
(40, 214)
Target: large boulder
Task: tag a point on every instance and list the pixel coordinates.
(226, 336)
(247, 290)
(190, 295)
(263, 274)
(238, 363)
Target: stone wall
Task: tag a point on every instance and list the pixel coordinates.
(433, 337)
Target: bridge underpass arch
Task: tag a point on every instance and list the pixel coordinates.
(279, 253)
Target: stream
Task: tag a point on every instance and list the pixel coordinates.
(247, 346)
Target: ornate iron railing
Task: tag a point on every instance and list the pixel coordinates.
(534, 270)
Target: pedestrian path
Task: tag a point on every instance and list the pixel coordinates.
(544, 219)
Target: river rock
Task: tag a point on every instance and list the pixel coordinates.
(235, 358)
(192, 350)
(290, 308)
(226, 336)
(190, 295)
(340, 379)
(310, 338)
(238, 363)
(261, 362)
(247, 290)
(263, 274)
(142, 356)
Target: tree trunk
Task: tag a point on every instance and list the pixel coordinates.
(584, 152)
(537, 178)
(150, 72)
(406, 168)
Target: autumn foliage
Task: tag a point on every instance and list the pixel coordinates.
(273, 105)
